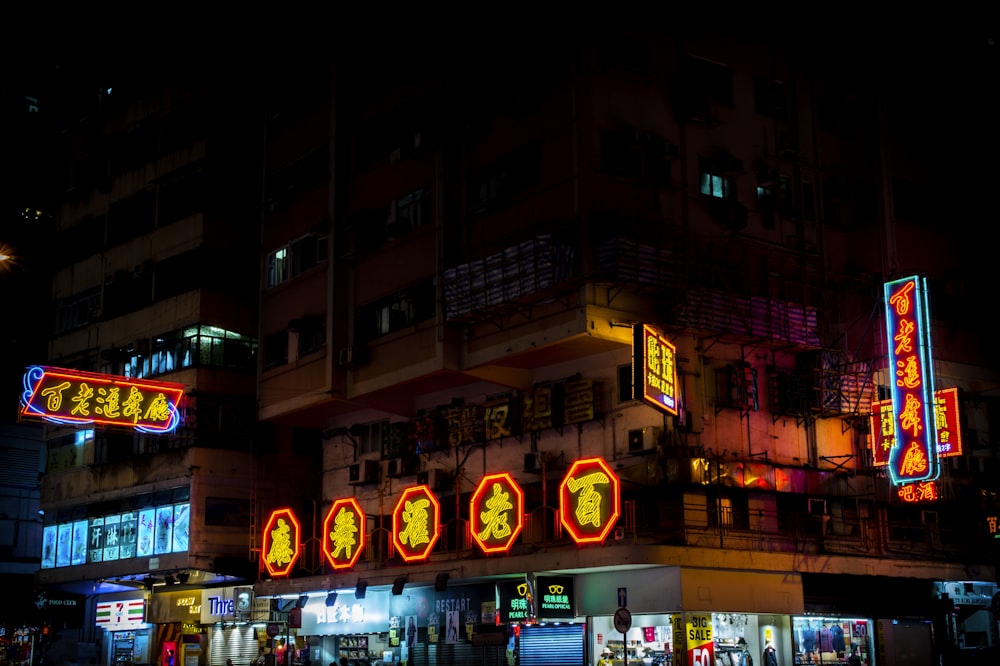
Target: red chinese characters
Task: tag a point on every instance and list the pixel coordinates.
(416, 523)
(496, 513)
(589, 500)
(946, 416)
(280, 549)
(343, 536)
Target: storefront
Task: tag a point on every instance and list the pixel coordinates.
(202, 627)
(832, 640)
(126, 634)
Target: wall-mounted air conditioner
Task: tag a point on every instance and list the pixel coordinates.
(363, 472)
(641, 440)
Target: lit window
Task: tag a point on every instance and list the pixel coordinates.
(277, 267)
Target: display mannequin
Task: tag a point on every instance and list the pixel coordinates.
(770, 656)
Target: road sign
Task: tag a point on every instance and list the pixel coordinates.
(623, 620)
(622, 597)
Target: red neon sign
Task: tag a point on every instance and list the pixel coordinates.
(925, 491)
(496, 513)
(949, 432)
(344, 533)
(416, 523)
(280, 548)
(83, 398)
(589, 500)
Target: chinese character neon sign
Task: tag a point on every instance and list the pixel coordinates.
(83, 398)
(654, 363)
(416, 523)
(914, 457)
(949, 432)
(589, 502)
(496, 513)
(344, 533)
(281, 542)
(924, 491)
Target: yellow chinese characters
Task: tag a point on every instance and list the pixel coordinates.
(588, 506)
(416, 517)
(496, 518)
(281, 552)
(342, 534)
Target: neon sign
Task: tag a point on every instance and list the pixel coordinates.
(925, 491)
(416, 523)
(654, 362)
(589, 502)
(82, 398)
(914, 457)
(949, 434)
(344, 533)
(496, 513)
(281, 542)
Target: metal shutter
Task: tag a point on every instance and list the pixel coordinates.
(551, 645)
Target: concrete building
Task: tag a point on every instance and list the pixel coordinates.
(462, 241)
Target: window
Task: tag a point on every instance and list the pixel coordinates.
(295, 258)
(312, 334)
(766, 204)
(717, 186)
(276, 349)
(78, 310)
(397, 311)
(369, 436)
(277, 267)
(770, 98)
(409, 212)
(201, 346)
(495, 185)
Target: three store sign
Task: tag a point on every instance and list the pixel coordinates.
(589, 506)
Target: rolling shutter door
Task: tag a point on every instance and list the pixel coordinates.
(551, 645)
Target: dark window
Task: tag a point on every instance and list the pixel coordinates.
(182, 198)
(397, 311)
(276, 349)
(770, 98)
(312, 334)
(625, 389)
(131, 217)
(495, 185)
(227, 512)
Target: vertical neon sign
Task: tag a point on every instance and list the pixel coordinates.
(914, 456)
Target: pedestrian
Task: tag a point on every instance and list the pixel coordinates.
(605, 659)
(855, 658)
(229, 662)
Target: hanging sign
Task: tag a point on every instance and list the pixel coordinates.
(75, 397)
(281, 542)
(914, 457)
(654, 361)
(496, 513)
(343, 536)
(416, 523)
(949, 431)
(589, 500)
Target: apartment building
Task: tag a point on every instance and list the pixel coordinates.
(470, 247)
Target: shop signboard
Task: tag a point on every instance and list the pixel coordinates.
(281, 548)
(654, 360)
(496, 513)
(700, 643)
(555, 597)
(913, 458)
(343, 536)
(516, 601)
(589, 500)
(75, 397)
(121, 614)
(416, 523)
(949, 431)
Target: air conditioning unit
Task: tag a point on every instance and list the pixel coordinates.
(350, 357)
(362, 473)
(643, 440)
(397, 467)
(435, 479)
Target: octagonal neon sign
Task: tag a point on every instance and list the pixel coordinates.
(344, 533)
(496, 513)
(280, 548)
(416, 523)
(589, 500)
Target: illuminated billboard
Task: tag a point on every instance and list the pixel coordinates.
(496, 513)
(655, 369)
(281, 547)
(416, 523)
(949, 432)
(914, 457)
(344, 533)
(589, 502)
(75, 397)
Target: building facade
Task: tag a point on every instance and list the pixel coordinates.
(568, 348)
(472, 251)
